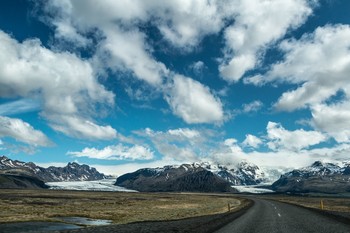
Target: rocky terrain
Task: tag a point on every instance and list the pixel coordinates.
(21, 181)
(12, 169)
(196, 177)
(318, 178)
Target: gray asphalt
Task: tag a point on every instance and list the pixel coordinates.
(272, 217)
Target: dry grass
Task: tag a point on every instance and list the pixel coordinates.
(45, 205)
(338, 204)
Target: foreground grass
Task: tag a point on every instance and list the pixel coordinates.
(336, 204)
(45, 205)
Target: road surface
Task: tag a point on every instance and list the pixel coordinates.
(267, 216)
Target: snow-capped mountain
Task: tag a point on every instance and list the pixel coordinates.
(203, 177)
(243, 173)
(319, 177)
(72, 172)
(184, 178)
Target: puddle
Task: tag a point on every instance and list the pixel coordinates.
(35, 227)
(84, 221)
(66, 223)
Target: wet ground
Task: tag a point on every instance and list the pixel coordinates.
(65, 223)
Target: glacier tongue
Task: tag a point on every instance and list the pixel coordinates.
(96, 185)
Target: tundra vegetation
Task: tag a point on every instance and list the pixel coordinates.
(45, 205)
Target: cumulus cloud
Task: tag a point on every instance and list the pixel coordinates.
(252, 141)
(280, 138)
(123, 45)
(232, 154)
(127, 51)
(182, 144)
(23, 132)
(333, 119)
(64, 83)
(116, 152)
(256, 24)
(193, 102)
(281, 147)
(81, 128)
(318, 63)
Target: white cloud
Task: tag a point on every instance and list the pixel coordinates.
(182, 144)
(128, 51)
(64, 83)
(123, 45)
(334, 119)
(319, 63)
(284, 157)
(198, 67)
(233, 145)
(253, 106)
(285, 148)
(116, 152)
(237, 66)
(256, 24)
(22, 131)
(193, 102)
(184, 132)
(19, 106)
(184, 23)
(252, 141)
(280, 138)
(81, 128)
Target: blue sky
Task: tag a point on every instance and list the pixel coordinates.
(127, 84)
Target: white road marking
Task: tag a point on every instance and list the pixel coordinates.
(279, 215)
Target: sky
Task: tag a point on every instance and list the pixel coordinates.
(124, 84)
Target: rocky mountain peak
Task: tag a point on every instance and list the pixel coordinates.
(72, 172)
(317, 164)
(319, 177)
(168, 177)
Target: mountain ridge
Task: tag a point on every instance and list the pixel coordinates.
(71, 172)
(319, 178)
(174, 177)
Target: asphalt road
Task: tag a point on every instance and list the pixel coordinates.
(271, 217)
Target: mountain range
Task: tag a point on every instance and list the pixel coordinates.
(195, 177)
(317, 178)
(14, 171)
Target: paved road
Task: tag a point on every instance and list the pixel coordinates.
(272, 217)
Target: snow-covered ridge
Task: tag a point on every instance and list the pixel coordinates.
(243, 173)
(319, 168)
(72, 172)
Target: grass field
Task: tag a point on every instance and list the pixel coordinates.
(338, 204)
(45, 205)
